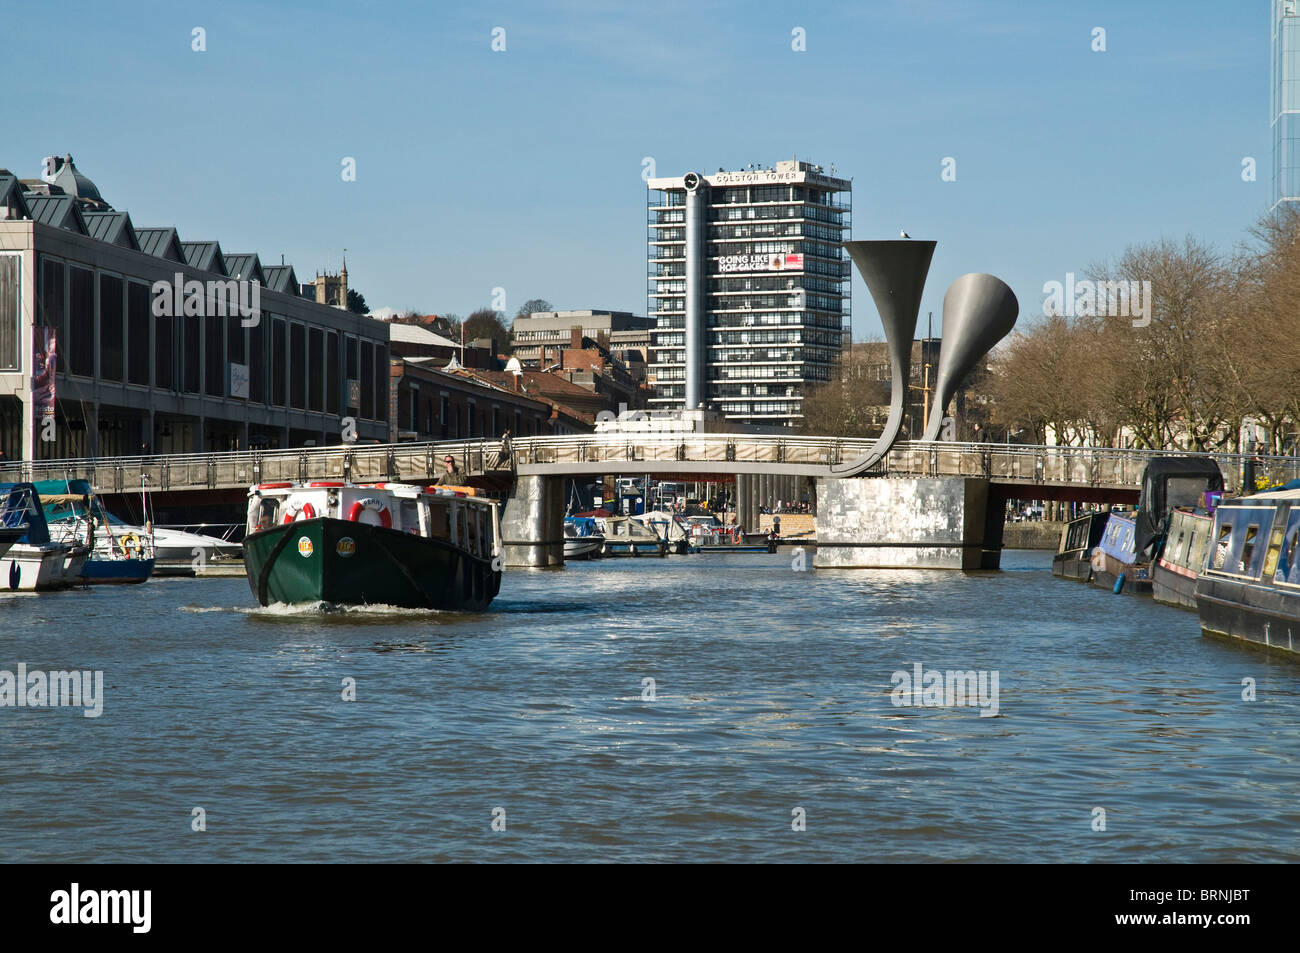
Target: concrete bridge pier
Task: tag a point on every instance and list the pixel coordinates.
(910, 523)
(532, 522)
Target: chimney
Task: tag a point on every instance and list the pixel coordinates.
(575, 338)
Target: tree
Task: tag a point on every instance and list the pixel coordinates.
(357, 302)
(533, 305)
(486, 323)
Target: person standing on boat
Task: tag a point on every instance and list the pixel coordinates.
(450, 475)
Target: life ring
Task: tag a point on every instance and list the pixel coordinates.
(273, 486)
(131, 545)
(385, 517)
(307, 511)
(328, 483)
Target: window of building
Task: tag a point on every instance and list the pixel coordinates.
(279, 357)
(54, 296)
(316, 370)
(332, 373)
(138, 327)
(367, 409)
(257, 362)
(110, 327)
(164, 356)
(10, 312)
(214, 348)
(297, 366)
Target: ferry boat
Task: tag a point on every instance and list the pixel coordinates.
(36, 562)
(340, 543)
(119, 554)
(582, 538)
(1122, 560)
(1079, 537)
(1173, 578)
(1250, 587)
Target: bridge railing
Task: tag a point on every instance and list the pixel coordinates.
(623, 452)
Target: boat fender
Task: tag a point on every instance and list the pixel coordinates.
(385, 518)
(307, 511)
(1119, 584)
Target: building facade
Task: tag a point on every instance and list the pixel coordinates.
(749, 285)
(536, 338)
(1284, 105)
(95, 361)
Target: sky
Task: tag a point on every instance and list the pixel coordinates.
(521, 169)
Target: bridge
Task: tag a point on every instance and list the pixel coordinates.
(1046, 470)
(931, 503)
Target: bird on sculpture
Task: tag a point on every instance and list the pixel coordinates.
(903, 234)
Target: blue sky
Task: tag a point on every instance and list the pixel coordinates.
(521, 169)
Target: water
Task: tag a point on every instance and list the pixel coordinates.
(771, 694)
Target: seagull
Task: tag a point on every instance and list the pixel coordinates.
(903, 234)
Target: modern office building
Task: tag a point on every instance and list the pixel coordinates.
(750, 288)
(537, 338)
(1284, 111)
(96, 361)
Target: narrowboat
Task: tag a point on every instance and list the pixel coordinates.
(624, 536)
(36, 562)
(343, 544)
(119, 554)
(582, 538)
(1073, 559)
(1173, 577)
(1249, 589)
(1122, 560)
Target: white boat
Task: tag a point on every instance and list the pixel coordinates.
(669, 527)
(582, 538)
(36, 563)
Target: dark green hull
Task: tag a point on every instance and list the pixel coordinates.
(345, 563)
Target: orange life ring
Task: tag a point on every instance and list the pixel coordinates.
(307, 511)
(273, 486)
(329, 483)
(385, 517)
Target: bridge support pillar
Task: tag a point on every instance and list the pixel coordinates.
(912, 523)
(532, 522)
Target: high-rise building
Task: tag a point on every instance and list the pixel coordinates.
(749, 284)
(1285, 101)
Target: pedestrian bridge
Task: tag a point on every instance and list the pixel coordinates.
(1053, 471)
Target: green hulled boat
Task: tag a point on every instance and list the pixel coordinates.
(372, 544)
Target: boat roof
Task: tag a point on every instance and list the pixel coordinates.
(1266, 495)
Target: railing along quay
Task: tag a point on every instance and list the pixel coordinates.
(1100, 467)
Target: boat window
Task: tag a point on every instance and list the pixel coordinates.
(1288, 567)
(1221, 545)
(266, 511)
(1248, 550)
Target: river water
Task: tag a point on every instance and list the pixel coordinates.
(770, 710)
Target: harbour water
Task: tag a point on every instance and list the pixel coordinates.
(771, 694)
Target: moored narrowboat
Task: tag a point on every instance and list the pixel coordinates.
(1079, 537)
(345, 544)
(1173, 577)
(1122, 561)
(1249, 589)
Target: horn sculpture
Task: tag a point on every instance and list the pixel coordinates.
(978, 312)
(894, 272)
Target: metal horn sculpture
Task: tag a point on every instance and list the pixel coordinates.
(894, 272)
(978, 311)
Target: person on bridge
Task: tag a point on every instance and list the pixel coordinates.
(451, 474)
(503, 456)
